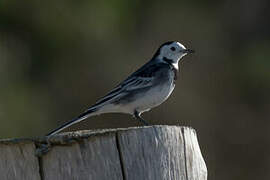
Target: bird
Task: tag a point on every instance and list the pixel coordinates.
(143, 90)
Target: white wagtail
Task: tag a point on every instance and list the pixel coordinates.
(144, 89)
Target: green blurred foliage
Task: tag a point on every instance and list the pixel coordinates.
(58, 57)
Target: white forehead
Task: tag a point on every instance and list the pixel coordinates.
(180, 45)
(167, 47)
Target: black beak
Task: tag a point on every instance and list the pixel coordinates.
(188, 51)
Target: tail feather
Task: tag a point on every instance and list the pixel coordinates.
(81, 117)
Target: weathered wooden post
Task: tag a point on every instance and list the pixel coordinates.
(145, 153)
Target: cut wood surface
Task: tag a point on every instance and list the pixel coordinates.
(144, 153)
(18, 161)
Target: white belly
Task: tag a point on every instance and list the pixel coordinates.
(152, 98)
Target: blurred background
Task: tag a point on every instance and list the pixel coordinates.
(58, 57)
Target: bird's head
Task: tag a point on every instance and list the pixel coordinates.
(172, 52)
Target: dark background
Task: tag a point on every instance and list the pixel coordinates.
(58, 57)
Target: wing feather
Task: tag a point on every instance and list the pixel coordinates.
(142, 78)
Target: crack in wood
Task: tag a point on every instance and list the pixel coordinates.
(120, 155)
(133, 153)
(40, 164)
(185, 153)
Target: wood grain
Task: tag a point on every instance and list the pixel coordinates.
(148, 153)
(161, 153)
(18, 161)
(90, 158)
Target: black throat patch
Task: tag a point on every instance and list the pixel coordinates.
(170, 62)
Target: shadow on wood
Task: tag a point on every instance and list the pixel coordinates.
(148, 153)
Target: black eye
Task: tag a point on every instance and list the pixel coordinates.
(173, 48)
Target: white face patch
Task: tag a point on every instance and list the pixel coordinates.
(173, 52)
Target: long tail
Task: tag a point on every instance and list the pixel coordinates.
(81, 117)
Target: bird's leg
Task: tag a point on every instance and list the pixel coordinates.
(137, 116)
